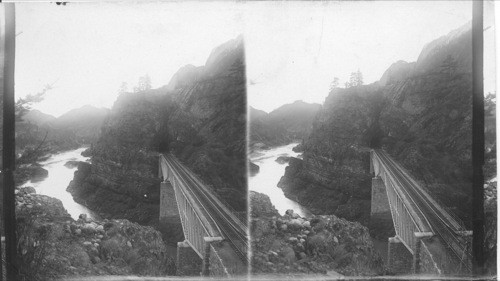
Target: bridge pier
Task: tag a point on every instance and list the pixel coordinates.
(206, 256)
(420, 257)
(381, 223)
(379, 202)
(400, 259)
(170, 221)
(188, 261)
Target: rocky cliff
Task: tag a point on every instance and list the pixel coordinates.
(419, 112)
(323, 245)
(199, 116)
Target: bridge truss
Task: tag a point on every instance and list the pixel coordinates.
(416, 214)
(205, 218)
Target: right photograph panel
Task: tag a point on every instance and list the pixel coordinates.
(360, 138)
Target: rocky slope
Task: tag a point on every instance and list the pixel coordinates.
(419, 112)
(52, 245)
(281, 126)
(199, 116)
(322, 245)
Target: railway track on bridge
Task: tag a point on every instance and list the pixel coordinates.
(442, 223)
(232, 230)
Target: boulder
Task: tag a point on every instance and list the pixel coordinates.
(28, 189)
(71, 164)
(88, 229)
(302, 255)
(295, 224)
(298, 148)
(254, 168)
(38, 173)
(283, 159)
(100, 228)
(288, 255)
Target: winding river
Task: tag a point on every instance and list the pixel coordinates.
(55, 184)
(270, 173)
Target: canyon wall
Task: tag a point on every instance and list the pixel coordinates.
(419, 112)
(200, 117)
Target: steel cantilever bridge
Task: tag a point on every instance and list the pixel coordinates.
(212, 230)
(434, 240)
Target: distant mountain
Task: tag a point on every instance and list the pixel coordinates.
(85, 122)
(284, 124)
(296, 117)
(38, 118)
(71, 130)
(256, 114)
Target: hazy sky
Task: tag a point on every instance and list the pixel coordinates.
(91, 48)
(295, 49)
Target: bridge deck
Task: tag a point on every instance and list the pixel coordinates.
(218, 215)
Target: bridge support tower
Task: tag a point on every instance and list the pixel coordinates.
(208, 251)
(381, 224)
(188, 262)
(380, 203)
(170, 220)
(400, 259)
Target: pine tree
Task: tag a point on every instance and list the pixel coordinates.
(334, 84)
(144, 84)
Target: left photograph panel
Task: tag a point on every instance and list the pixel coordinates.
(130, 140)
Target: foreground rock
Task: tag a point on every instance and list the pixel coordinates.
(53, 245)
(293, 245)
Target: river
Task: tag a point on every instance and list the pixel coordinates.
(270, 173)
(55, 184)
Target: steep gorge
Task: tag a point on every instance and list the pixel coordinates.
(419, 112)
(199, 116)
